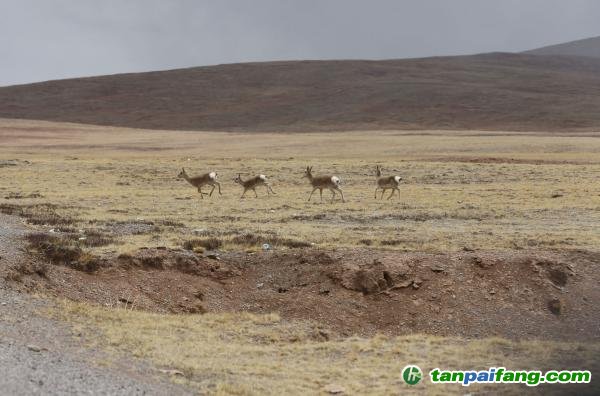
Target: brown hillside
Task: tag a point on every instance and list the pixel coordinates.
(491, 91)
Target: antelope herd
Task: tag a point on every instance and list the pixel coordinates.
(322, 182)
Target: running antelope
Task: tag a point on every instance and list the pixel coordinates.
(387, 183)
(251, 184)
(331, 183)
(207, 179)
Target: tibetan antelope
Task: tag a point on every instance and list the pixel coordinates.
(387, 183)
(331, 183)
(251, 184)
(207, 179)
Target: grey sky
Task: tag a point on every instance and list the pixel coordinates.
(50, 39)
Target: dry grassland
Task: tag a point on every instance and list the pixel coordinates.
(462, 190)
(470, 190)
(245, 354)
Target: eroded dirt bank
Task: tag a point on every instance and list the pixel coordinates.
(515, 294)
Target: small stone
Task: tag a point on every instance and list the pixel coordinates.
(259, 285)
(402, 285)
(334, 389)
(34, 348)
(417, 283)
(555, 306)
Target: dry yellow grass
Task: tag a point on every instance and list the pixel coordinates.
(111, 174)
(248, 354)
(105, 175)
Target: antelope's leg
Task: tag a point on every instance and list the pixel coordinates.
(321, 193)
(382, 192)
(341, 193)
(376, 192)
(272, 192)
(255, 194)
(244, 193)
(311, 193)
(332, 194)
(393, 189)
(201, 193)
(211, 191)
(398, 192)
(218, 185)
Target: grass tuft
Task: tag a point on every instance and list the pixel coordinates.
(60, 250)
(39, 214)
(206, 243)
(250, 239)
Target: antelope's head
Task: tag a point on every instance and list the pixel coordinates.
(308, 172)
(182, 174)
(238, 179)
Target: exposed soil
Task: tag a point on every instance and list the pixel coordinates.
(515, 294)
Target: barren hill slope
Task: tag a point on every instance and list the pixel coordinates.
(587, 47)
(494, 91)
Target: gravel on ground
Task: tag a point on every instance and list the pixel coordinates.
(39, 355)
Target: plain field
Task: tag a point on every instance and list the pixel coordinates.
(461, 190)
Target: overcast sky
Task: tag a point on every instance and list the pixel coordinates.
(50, 39)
